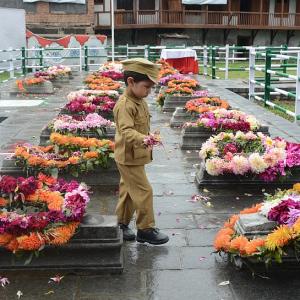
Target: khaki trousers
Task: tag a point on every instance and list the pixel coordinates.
(135, 195)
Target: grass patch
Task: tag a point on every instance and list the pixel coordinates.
(241, 74)
(287, 104)
(5, 76)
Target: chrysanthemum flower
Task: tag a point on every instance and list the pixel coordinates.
(278, 238)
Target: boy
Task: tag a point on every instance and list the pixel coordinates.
(132, 120)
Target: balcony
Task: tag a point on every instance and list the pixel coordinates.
(198, 19)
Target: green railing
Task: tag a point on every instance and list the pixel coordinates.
(281, 79)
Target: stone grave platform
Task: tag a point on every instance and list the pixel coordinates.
(95, 248)
(203, 179)
(108, 133)
(192, 138)
(102, 177)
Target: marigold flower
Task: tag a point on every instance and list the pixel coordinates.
(48, 180)
(5, 238)
(252, 210)
(13, 245)
(30, 242)
(3, 202)
(90, 154)
(62, 234)
(222, 242)
(239, 243)
(73, 160)
(296, 227)
(296, 187)
(252, 246)
(231, 222)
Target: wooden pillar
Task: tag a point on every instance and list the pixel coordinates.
(160, 11)
(282, 9)
(260, 11)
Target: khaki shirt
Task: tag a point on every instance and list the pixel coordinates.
(132, 120)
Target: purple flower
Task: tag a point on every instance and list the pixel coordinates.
(28, 185)
(294, 215)
(293, 154)
(281, 212)
(8, 184)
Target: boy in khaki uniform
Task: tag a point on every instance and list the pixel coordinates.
(132, 120)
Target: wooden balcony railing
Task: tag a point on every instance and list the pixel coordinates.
(200, 19)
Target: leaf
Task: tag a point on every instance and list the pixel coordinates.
(29, 259)
(74, 173)
(54, 172)
(19, 294)
(49, 292)
(223, 283)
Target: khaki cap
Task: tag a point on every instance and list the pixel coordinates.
(142, 66)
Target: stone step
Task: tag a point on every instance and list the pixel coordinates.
(96, 248)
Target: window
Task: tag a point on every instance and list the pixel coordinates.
(194, 7)
(98, 2)
(125, 4)
(217, 7)
(147, 5)
(278, 6)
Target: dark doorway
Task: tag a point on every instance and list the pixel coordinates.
(243, 40)
(125, 4)
(245, 5)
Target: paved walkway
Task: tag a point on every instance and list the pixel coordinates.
(185, 268)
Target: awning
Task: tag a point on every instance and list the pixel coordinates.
(202, 2)
(59, 1)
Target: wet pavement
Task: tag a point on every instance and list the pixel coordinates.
(185, 268)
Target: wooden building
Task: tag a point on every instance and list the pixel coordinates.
(55, 20)
(244, 22)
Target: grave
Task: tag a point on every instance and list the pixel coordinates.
(192, 138)
(102, 177)
(203, 179)
(96, 248)
(108, 133)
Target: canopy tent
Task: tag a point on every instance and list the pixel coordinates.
(59, 1)
(202, 2)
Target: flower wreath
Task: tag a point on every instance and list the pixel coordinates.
(21, 84)
(275, 244)
(186, 82)
(86, 105)
(91, 123)
(67, 154)
(105, 86)
(54, 72)
(39, 212)
(226, 120)
(112, 74)
(201, 105)
(249, 153)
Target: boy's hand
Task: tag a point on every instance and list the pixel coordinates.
(151, 140)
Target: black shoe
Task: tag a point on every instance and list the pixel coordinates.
(128, 234)
(152, 236)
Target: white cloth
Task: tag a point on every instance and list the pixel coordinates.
(202, 2)
(177, 53)
(59, 1)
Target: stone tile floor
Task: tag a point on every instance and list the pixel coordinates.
(183, 268)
